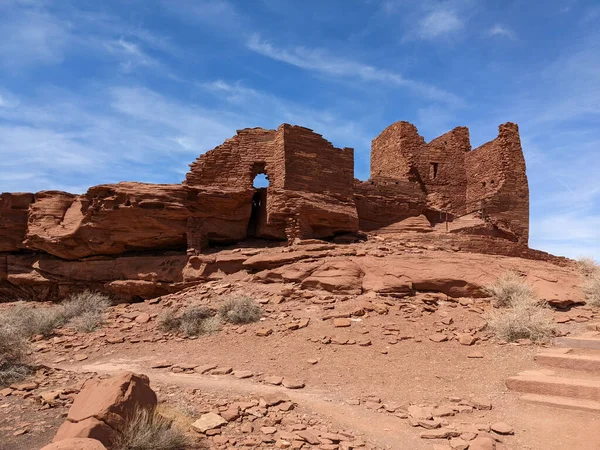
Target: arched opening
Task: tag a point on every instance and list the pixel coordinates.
(258, 215)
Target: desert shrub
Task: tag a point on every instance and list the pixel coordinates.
(84, 311)
(13, 348)
(240, 310)
(148, 430)
(29, 321)
(510, 289)
(591, 289)
(526, 319)
(587, 266)
(193, 321)
(168, 320)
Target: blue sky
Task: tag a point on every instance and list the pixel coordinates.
(98, 92)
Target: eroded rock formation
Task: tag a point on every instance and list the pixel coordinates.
(142, 240)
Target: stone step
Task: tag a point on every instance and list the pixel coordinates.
(563, 402)
(539, 383)
(579, 342)
(593, 326)
(588, 363)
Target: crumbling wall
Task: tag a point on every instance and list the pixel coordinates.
(13, 220)
(497, 183)
(393, 151)
(441, 165)
(234, 164)
(383, 201)
(313, 164)
(401, 153)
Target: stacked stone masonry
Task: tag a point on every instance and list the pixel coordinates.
(51, 240)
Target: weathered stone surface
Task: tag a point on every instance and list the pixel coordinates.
(103, 407)
(13, 220)
(341, 276)
(208, 421)
(113, 219)
(76, 444)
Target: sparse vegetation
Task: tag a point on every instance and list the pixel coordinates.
(148, 430)
(520, 315)
(591, 288)
(194, 320)
(12, 354)
(587, 266)
(240, 310)
(83, 311)
(510, 289)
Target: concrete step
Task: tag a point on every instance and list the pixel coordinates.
(579, 342)
(563, 402)
(588, 363)
(542, 384)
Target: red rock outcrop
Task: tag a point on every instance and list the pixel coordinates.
(139, 240)
(103, 407)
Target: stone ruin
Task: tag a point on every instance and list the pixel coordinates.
(136, 239)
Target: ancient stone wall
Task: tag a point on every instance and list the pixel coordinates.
(13, 220)
(392, 152)
(497, 183)
(383, 201)
(313, 164)
(235, 163)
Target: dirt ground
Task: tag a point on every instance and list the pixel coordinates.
(359, 379)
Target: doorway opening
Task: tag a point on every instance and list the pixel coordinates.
(258, 214)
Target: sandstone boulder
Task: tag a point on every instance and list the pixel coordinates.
(76, 444)
(102, 407)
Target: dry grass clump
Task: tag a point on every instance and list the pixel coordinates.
(510, 288)
(83, 311)
(240, 310)
(194, 320)
(148, 430)
(591, 289)
(520, 315)
(587, 266)
(591, 286)
(12, 355)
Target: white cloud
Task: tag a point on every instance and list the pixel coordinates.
(31, 37)
(131, 55)
(501, 31)
(320, 61)
(439, 23)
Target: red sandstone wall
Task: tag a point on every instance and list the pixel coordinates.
(13, 220)
(400, 152)
(313, 164)
(441, 165)
(383, 201)
(393, 150)
(235, 163)
(497, 183)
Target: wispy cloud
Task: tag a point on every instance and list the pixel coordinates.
(31, 37)
(501, 31)
(321, 61)
(439, 23)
